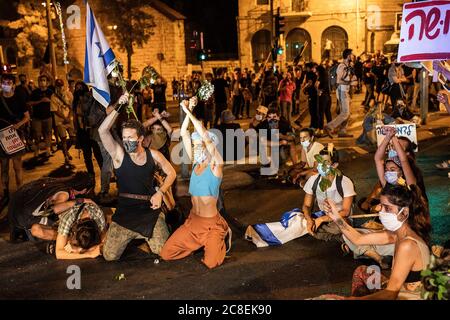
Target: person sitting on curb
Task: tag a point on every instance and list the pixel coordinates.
(205, 226)
(307, 166)
(138, 213)
(260, 116)
(405, 219)
(341, 191)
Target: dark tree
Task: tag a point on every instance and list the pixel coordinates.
(134, 24)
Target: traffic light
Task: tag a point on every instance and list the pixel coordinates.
(279, 24)
(201, 55)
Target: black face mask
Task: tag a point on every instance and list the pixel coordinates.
(273, 123)
(130, 146)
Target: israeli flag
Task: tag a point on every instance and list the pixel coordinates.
(292, 225)
(99, 58)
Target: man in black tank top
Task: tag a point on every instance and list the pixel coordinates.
(137, 215)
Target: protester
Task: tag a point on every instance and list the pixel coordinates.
(158, 133)
(324, 98)
(286, 137)
(404, 217)
(81, 230)
(159, 94)
(205, 227)
(60, 105)
(84, 139)
(35, 207)
(308, 164)
(310, 89)
(13, 112)
(341, 192)
(228, 129)
(286, 90)
(396, 79)
(137, 214)
(41, 123)
(369, 81)
(220, 95)
(345, 77)
(260, 116)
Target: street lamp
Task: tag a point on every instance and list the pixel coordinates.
(114, 27)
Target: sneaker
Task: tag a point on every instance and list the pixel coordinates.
(228, 239)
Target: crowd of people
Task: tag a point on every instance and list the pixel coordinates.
(137, 153)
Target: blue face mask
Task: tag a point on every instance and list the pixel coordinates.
(391, 177)
(392, 154)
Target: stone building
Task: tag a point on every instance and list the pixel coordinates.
(165, 50)
(363, 25)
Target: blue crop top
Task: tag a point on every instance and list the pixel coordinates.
(205, 184)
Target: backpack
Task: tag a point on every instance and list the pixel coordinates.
(95, 111)
(333, 75)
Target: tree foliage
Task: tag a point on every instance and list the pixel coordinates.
(134, 24)
(32, 37)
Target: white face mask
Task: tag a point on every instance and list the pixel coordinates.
(391, 177)
(306, 144)
(258, 117)
(390, 221)
(6, 88)
(199, 154)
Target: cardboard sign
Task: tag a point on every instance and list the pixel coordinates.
(425, 31)
(10, 140)
(403, 130)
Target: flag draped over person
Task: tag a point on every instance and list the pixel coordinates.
(99, 59)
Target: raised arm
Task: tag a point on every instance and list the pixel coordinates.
(210, 146)
(184, 132)
(407, 171)
(114, 149)
(375, 238)
(379, 155)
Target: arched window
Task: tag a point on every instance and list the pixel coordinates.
(336, 39)
(260, 45)
(295, 41)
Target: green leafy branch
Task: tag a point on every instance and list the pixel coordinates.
(436, 280)
(326, 183)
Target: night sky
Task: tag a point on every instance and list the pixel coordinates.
(215, 18)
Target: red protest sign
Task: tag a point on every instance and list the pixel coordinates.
(425, 31)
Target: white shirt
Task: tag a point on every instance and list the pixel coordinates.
(315, 149)
(331, 192)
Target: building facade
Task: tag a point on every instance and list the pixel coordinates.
(363, 25)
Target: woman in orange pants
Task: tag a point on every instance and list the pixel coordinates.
(204, 227)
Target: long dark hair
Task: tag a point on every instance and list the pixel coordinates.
(411, 197)
(85, 233)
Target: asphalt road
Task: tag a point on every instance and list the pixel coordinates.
(300, 269)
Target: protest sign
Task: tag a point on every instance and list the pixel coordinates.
(424, 33)
(402, 130)
(11, 141)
